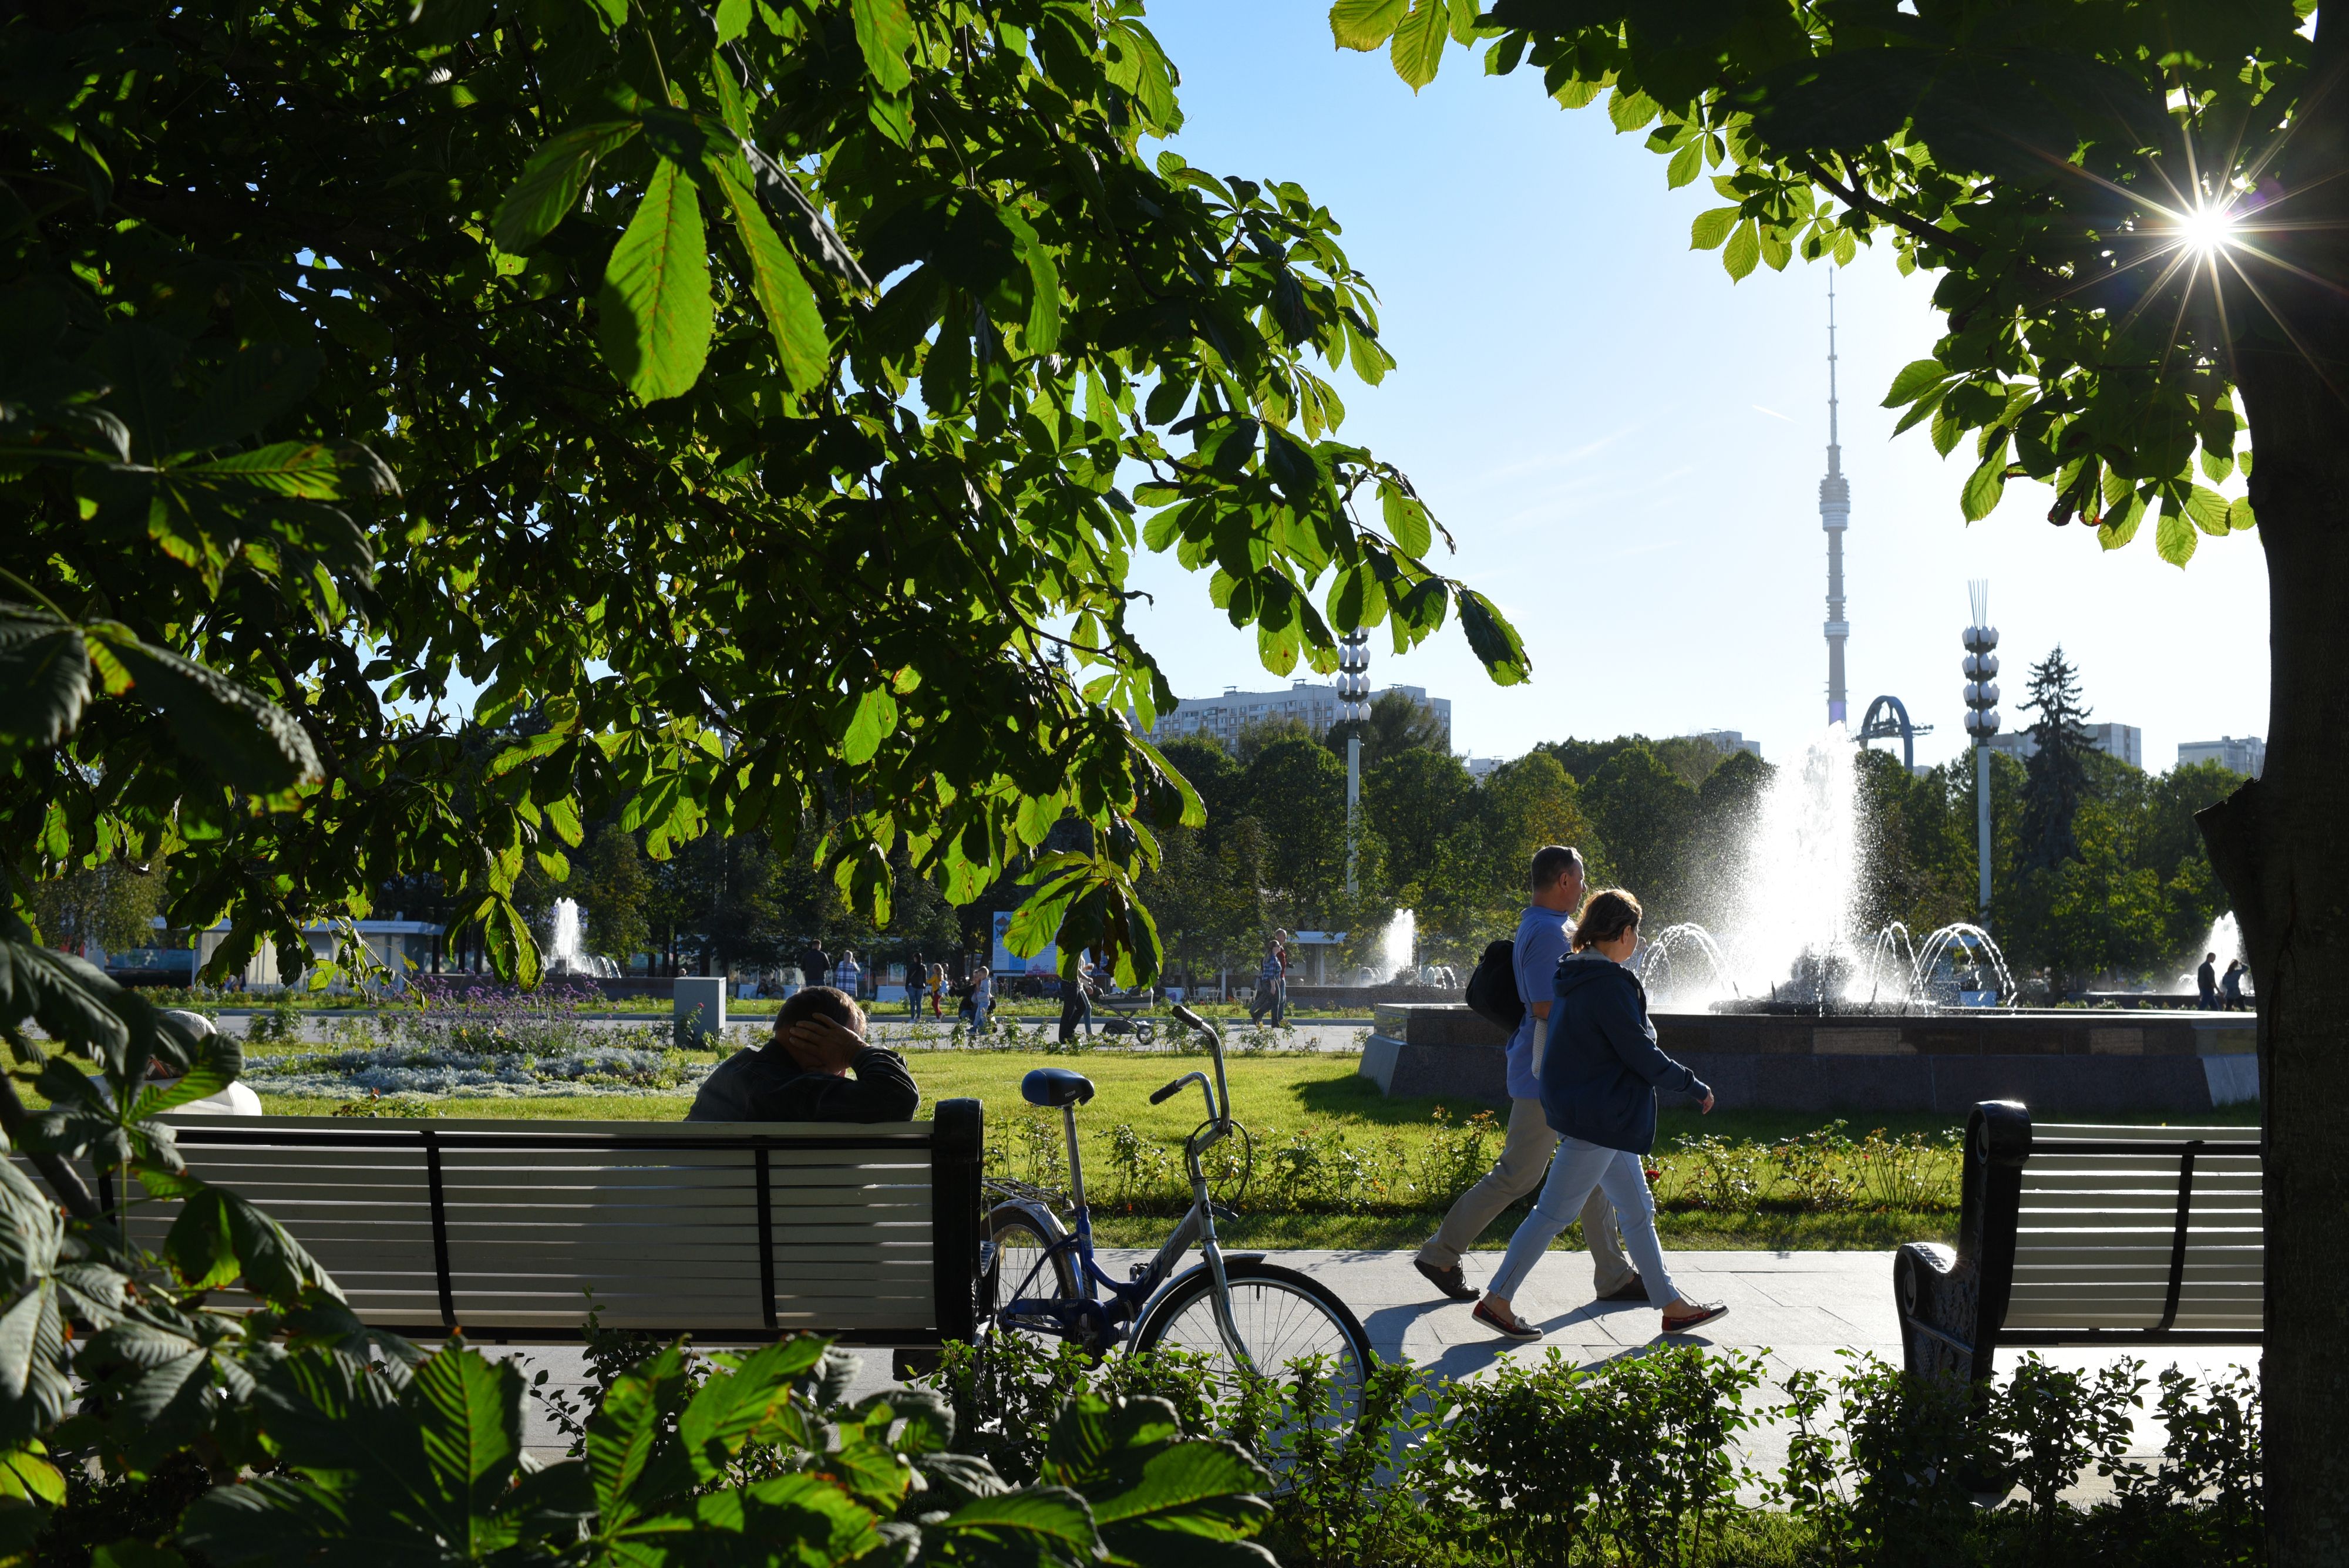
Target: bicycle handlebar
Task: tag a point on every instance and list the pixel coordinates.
(1162, 1096)
(1220, 1097)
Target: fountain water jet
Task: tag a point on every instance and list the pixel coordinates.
(1791, 938)
(566, 953)
(2225, 939)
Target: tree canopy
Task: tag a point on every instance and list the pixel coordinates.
(746, 396)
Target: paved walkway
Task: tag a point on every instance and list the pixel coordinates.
(1795, 1311)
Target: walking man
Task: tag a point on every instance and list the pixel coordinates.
(2206, 981)
(1076, 999)
(1271, 983)
(914, 975)
(1543, 932)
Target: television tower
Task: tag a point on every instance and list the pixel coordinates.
(1835, 516)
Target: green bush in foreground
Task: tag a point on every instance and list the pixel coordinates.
(1543, 1462)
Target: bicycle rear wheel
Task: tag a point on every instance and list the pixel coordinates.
(1023, 1266)
(1281, 1317)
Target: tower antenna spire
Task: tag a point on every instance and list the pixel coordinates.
(1835, 447)
(1835, 516)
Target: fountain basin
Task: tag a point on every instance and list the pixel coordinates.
(2078, 1060)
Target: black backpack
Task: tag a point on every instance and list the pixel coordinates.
(1493, 990)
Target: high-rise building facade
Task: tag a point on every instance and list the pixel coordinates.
(2124, 741)
(2247, 755)
(1726, 740)
(1315, 706)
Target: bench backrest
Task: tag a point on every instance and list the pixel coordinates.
(2127, 1232)
(738, 1231)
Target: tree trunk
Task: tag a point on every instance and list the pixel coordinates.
(2280, 843)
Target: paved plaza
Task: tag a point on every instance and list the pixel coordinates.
(1793, 1309)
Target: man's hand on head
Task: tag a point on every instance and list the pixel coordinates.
(821, 1045)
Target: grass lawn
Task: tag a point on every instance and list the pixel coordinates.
(1337, 1164)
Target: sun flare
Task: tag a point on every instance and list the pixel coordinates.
(2205, 228)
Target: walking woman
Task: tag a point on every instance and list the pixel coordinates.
(937, 990)
(1599, 1074)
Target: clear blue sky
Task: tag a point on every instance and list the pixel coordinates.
(1627, 446)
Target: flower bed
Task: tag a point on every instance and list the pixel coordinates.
(445, 1072)
(483, 1045)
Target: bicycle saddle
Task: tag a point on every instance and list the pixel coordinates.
(1056, 1086)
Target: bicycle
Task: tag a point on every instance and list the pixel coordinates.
(1240, 1313)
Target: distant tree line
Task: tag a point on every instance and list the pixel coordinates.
(2097, 870)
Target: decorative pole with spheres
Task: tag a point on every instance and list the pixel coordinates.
(1353, 710)
(1982, 720)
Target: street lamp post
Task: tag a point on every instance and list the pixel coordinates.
(1981, 724)
(1353, 709)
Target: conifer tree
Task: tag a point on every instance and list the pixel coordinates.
(2056, 774)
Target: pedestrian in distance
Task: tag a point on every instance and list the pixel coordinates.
(1271, 983)
(847, 975)
(1076, 999)
(982, 997)
(2231, 987)
(1543, 932)
(1599, 1075)
(937, 990)
(914, 976)
(2206, 982)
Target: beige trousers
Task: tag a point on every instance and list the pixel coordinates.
(1524, 1158)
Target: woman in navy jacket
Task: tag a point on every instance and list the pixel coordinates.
(1599, 1074)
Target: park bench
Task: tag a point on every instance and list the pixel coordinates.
(2087, 1235)
(730, 1231)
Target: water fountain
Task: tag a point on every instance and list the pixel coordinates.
(566, 953)
(1399, 949)
(1790, 939)
(2226, 939)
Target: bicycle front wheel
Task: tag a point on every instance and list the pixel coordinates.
(1280, 1317)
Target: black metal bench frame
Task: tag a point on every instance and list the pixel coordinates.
(1953, 1304)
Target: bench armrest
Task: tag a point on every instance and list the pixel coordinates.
(1938, 1295)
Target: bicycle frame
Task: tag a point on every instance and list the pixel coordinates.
(1111, 1321)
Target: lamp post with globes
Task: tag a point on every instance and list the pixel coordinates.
(1981, 721)
(1353, 709)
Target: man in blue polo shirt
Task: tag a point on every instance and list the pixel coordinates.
(1544, 932)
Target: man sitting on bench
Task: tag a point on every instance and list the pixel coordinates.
(803, 1073)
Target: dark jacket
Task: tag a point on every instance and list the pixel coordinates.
(767, 1085)
(1600, 1068)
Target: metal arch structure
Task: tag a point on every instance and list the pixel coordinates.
(1887, 719)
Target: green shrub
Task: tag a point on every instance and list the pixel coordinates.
(1635, 1462)
(278, 1023)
